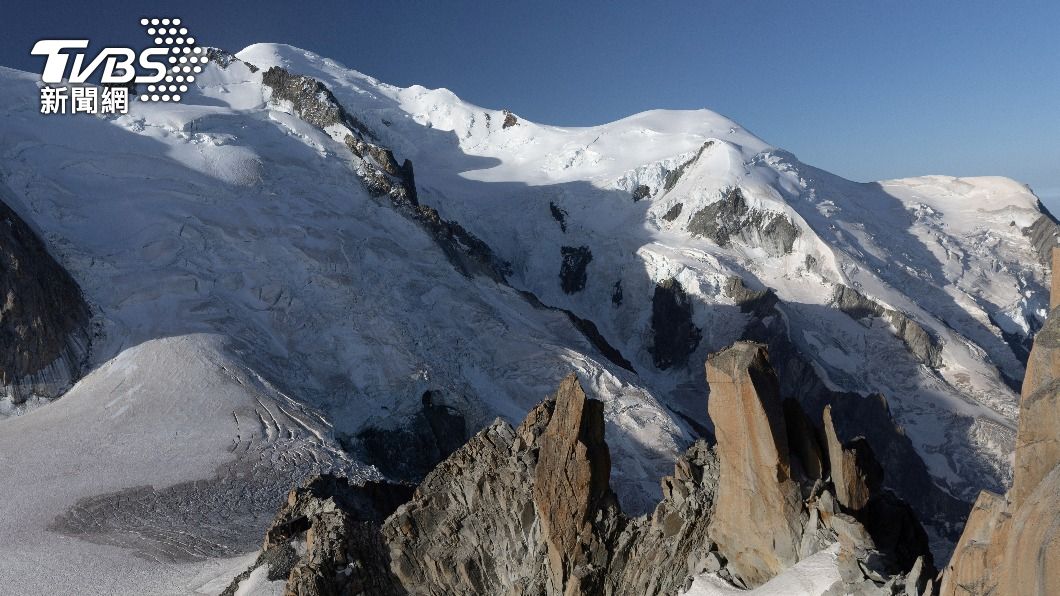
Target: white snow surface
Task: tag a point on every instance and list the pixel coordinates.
(812, 576)
(254, 304)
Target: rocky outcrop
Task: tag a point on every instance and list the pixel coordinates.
(381, 173)
(224, 59)
(591, 332)
(571, 484)
(772, 458)
(311, 100)
(510, 120)
(1044, 235)
(920, 343)
(673, 176)
(731, 218)
(759, 302)
(1011, 545)
(43, 319)
(855, 472)
(675, 336)
(905, 473)
(411, 450)
(572, 271)
(326, 540)
(642, 191)
(529, 510)
(673, 212)
(758, 512)
(467, 253)
(559, 214)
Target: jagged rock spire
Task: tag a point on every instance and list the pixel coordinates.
(1012, 546)
(570, 484)
(757, 521)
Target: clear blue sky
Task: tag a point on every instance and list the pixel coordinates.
(867, 90)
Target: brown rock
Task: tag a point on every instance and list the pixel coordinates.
(1032, 555)
(1013, 546)
(571, 483)
(757, 520)
(979, 551)
(1038, 436)
(856, 474)
(1054, 296)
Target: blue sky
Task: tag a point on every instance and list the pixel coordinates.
(867, 90)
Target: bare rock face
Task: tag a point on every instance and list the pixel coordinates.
(572, 274)
(758, 513)
(379, 170)
(855, 473)
(675, 335)
(661, 553)
(472, 527)
(918, 340)
(571, 483)
(529, 511)
(731, 219)
(1012, 545)
(1038, 436)
(43, 316)
(326, 539)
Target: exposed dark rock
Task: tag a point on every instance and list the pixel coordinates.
(616, 293)
(572, 274)
(673, 176)
(467, 253)
(225, 59)
(311, 100)
(673, 212)
(559, 214)
(587, 328)
(921, 344)
(1044, 235)
(759, 302)
(44, 318)
(675, 336)
(386, 177)
(314, 103)
(326, 539)
(730, 218)
(590, 331)
(410, 451)
(509, 120)
(641, 192)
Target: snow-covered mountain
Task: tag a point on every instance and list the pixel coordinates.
(273, 295)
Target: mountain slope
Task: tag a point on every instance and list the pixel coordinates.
(236, 227)
(954, 256)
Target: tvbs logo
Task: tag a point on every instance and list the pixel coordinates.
(164, 71)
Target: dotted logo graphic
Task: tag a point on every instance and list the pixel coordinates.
(186, 59)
